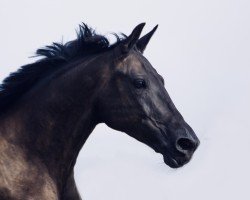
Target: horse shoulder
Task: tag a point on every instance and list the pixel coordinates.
(22, 179)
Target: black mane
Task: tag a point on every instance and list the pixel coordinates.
(54, 56)
(87, 42)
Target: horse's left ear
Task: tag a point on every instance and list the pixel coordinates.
(143, 41)
(131, 40)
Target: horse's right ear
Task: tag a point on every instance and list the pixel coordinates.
(131, 40)
(143, 41)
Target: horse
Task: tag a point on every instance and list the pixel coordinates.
(49, 108)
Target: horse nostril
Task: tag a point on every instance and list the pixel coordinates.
(185, 144)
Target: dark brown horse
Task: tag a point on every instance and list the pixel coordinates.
(49, 108)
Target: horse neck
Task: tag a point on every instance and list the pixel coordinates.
(56, 117)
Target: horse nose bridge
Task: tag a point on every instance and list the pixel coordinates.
(182, 133)
(180, 126)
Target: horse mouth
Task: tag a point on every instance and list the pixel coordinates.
(173, 163)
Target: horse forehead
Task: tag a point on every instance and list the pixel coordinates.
(134, 64)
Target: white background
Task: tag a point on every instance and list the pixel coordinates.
(202, 49)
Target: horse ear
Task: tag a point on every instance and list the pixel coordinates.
(143, 41)
(131, 40)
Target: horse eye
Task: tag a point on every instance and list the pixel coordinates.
(139, 83)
